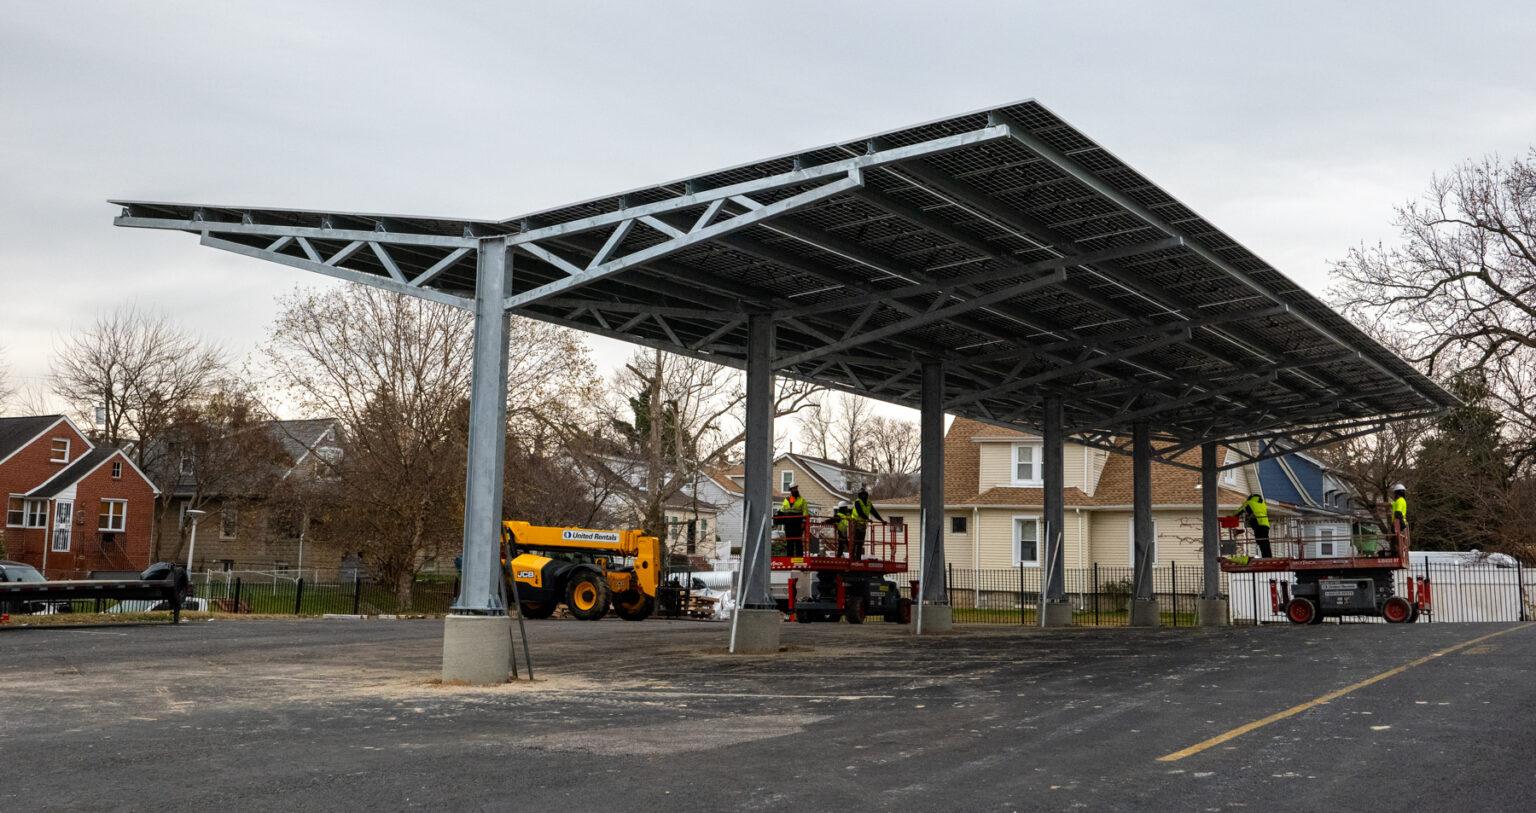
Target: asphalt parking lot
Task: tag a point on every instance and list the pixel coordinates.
(328, 715)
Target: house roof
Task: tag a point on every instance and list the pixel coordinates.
(72, 473)
(1171, 485)
(299, 437)
(17, 432)
(725, 477)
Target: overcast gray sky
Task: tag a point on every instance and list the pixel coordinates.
(1293, 126)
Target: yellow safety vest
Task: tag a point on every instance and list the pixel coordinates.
(1260, 511)
(1400, 508)
(862, 509)
(793, 506)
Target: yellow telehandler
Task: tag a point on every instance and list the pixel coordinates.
(621, 569)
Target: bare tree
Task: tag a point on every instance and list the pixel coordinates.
(219, 448)
(1460, 289)
(1372, 464)
(851, 430)
(895, 445)
(8, 387)
(395, 371)
(816, 428)
(139, 370)
(669, 418)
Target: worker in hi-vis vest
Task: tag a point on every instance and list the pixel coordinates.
(1399, 509)
(841, 519)
(1257, 514)
(792, 515)
(863, 512)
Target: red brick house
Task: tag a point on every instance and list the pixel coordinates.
(71, 507)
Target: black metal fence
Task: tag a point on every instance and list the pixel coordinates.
(1457, 594)
(1099, 596)
(271, 594)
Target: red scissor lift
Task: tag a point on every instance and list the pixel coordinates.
(1361, 583)
(842, 584)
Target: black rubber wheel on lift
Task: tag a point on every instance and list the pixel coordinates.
(537, 609)
(1301, 611)
(1397, 610)
(587, 595)
(902, 614)
(633, 605)
(855, 610)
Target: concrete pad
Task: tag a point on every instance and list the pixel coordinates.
(1213, 612)
(1056, 614)
(477, 649)
(936, 618)
(1144, 613)
(757, 631)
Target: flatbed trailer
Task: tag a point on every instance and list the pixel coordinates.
(1335, 586)
(161, 582)
(841, 585)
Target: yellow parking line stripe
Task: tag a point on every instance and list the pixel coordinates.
(1329, 697)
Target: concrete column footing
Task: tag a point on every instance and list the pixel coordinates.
(936, 618)
(1056, 614)
(757, 631)
(477, 649)
(1213, 612)
(1144, 613)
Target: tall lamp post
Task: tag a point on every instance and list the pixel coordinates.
(195, 514)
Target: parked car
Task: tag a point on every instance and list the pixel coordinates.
(190, 604)
(23, 572)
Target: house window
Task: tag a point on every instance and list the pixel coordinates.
(1228, 476)
(226, 565)
(186, 464)
(1026, 464)
(21, 512)
(117, 470)
(1131, 537)
(60, 451)
(114, 515)
(896, 521)
(37, 513)
(229, 522)
(957, 525)
(1026, 541)
(1325, 544)
(786, 479)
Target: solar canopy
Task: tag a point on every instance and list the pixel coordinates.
(1003, 242)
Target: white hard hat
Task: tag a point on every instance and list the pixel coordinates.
(1399, 487)
(842, 503)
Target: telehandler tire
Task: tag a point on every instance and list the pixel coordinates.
(537, 610)
(855, 610)
(587, 595)
(633, 605)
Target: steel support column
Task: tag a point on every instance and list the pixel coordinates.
(755, 624)
(933, 612)
(1143, 601)
(476, 646)
(1212, 607)
(1054, 610)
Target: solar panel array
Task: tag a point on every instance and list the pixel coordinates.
(1196, 335)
